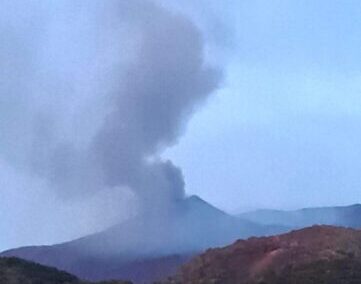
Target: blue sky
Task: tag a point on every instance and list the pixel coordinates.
(283, 131)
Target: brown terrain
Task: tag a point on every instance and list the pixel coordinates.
(318, 254)
(139, 251)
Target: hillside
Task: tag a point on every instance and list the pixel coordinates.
(18, 271)
(346, 216)
(142, 250)
(314, 255)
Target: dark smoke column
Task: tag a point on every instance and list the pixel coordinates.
(151, 105)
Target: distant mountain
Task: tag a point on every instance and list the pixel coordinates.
(17, 271)
(144, 250)
(347, 216)
(319, 254)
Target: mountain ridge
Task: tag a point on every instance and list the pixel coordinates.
(18, 271)
(347, 215)
(317, 254)
(143, 251)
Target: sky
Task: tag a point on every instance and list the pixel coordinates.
(282, 130)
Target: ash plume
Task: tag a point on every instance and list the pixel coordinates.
(91, 92)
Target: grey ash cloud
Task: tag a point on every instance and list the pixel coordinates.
(93, 91)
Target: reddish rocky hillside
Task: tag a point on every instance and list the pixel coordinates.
(142, 251)
(319, 254)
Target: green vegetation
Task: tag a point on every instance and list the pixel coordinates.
(17, 271)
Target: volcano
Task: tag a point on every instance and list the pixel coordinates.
(142, 251)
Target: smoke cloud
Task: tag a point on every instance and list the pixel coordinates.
(92, 92)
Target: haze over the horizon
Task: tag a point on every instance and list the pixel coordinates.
(282, 131)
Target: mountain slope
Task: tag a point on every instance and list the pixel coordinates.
(144, 250)
(18, 271)
(319, 254)
(346, 216)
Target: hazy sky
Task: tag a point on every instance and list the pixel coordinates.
(282, 131)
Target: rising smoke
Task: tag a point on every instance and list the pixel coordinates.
(92, 92)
